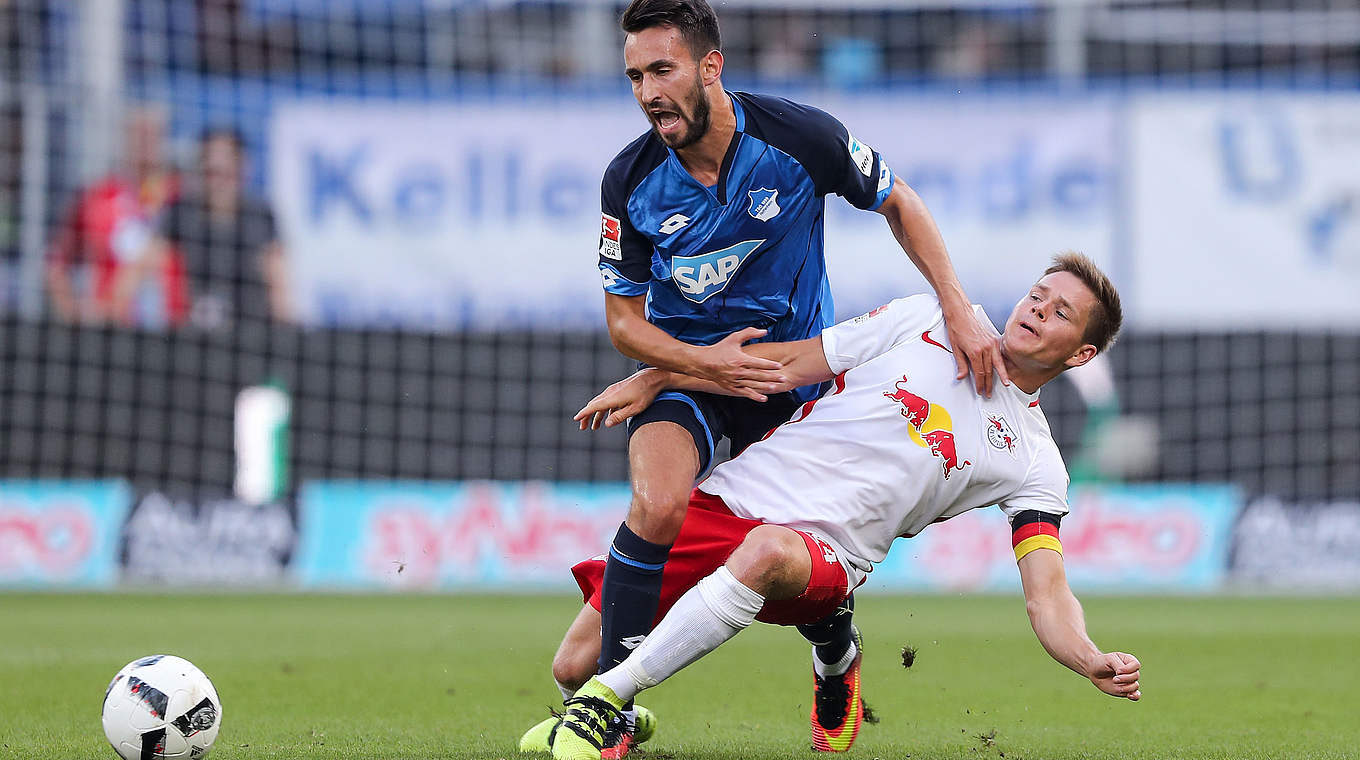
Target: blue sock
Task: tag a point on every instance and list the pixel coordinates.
(630, 595)
(831, 636)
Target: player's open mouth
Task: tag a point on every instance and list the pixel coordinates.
(1031, 329)
(666, 120)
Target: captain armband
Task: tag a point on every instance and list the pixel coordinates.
(1032, 530)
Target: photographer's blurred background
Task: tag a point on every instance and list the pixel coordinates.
(304, 291)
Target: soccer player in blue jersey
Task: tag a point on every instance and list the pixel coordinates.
(711, 236)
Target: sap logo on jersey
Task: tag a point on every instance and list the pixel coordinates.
(764, 204)
(699, 277)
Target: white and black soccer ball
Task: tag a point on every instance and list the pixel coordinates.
(161, 707)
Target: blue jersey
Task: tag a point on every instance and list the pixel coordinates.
(750, 251)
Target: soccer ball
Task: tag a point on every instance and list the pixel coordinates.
(161, 707)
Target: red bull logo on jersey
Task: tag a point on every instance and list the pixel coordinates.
(701, 277)
(941, 444)
(914, 408)
(930, 426)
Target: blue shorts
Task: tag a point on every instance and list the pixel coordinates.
(710, 417)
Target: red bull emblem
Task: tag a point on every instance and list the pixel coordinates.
(914, 408)
(942, 445)
(931, 425)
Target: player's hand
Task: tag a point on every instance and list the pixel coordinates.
(738, 372)
(1116, 674)
(976, 348)
(621, 400)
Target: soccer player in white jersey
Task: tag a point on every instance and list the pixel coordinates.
(784, 532)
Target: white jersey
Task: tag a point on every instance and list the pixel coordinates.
(897, 444)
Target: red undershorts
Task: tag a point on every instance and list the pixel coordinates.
(707, 538)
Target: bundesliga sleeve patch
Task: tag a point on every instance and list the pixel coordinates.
(1032, 530)
(610, 246)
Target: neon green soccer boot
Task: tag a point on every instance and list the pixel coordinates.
(592, 719)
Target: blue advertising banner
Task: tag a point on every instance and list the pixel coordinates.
(499, 535)
(61, 534)
(1268, 176)
(1116, 538)
(459, 215)
(470, 535)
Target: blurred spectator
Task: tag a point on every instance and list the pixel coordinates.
(784, 52)
(979, 49)
(227, 241)
(850, 62)
(227, 43)
(108, 225)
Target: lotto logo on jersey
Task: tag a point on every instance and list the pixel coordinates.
(861, 155)
(884, 176)
(609, 238)
(700, 277)
(608, 276)
(673, 223)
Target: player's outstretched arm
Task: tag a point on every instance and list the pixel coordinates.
(1057, 619)
(803, 362)
(723, 363)
(974, 346)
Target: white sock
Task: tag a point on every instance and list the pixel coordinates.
(715, 610)
(567, 693)
(836, 668)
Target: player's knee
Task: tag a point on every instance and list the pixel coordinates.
(770, 561)
(658, 517)
(572, 669)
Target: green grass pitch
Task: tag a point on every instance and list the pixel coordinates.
(413, 676)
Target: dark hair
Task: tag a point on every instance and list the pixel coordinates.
(233, 134)
(1108, 315)
(695, 20)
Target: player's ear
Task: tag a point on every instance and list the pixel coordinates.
(710, 67)
(1083, 355)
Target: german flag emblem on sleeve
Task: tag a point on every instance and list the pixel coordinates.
(1032, 530)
